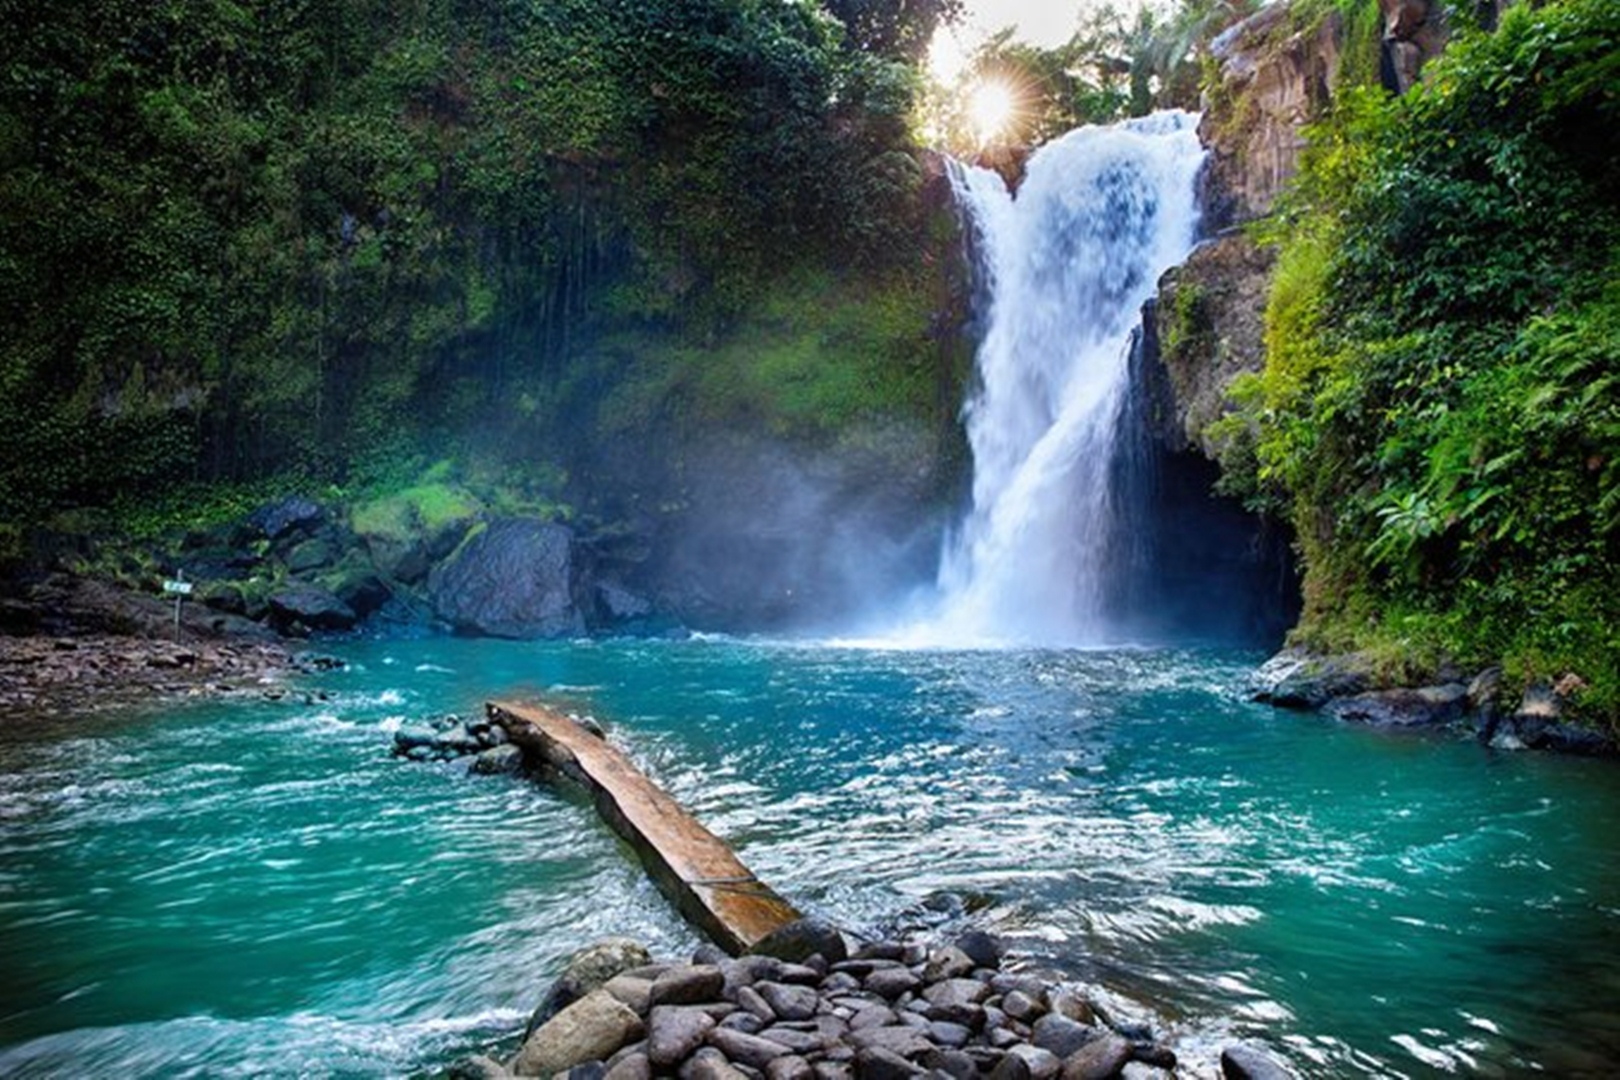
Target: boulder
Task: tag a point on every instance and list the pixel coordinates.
(515, 579)
(1062, 1036)
(589, 969)
(506, 760)
(278, 520)
(363, 589)
(476, 1067)
(876, 1063)
(1428, 706)
(984, 949)
(1240, 1062)
(310, 607)
(1101, 1059)
(801, 939)
(674, 1032)
(1296, 679)
(310, 555)
(790, 1003)
(591, 1029)
(687, 985)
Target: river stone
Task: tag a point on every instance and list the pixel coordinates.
(687, 985)
(1020, 1006)
(800, 1042)
(1098, 1060)
(673, 1032)
(789, 1002)
(1297, 679)
(873, 1016)
(590, 1029)
(840, 982)
(959, 1065)
(745, 1022)
(985, 950)
(907, 1042)
(504, 760)
(630, 1067)
(750, 999)
(1011, 1067)
(310, 606)
(1061, 1035)
(1159, 1057)
(948, 963)
(1427, 706)
(892, 982)
(1240, 1062)
(876, 1063)
(956, 992)
(516, 579)
(792, 1067)
(833, 1070)
(948, 1034)
(710, 1064)
(590, 1070)
(746, 1049)
(588, 969)
(880, 950)
(1042, 1064)
(1072, 1005)
(278, 519)
(801, 939)
(634, 992)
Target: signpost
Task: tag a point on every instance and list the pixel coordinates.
(179, 588)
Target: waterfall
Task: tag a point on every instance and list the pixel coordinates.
(1068, 263)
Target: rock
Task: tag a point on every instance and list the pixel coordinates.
(634, 992)
(710, 1064)
(750, 999)
(984, 949)
(1070, 1004)
(873, 1016)
(476, 1067)
(673, 1032)
(1098, 1060)
(876, 1063)
(310, 555)
(789, 1002)
(1061, 1035)
(1429, 706)
(1020, 1006)
(1042, 1064)
(891, 951)
(277, 520)
(792, 1067)
(745, 1022)
(959, 1065)
(590, 1070)
(907, 1042)
(746, 1049)
(618, 604)
(799, 1042)
(1159, 1057)
(1296, 679)
(687, 985)
(590, 1029)
(308, 606)
(1240, 1062)
(504, 760)
(840, 982)
(589, 969)
(892, 982)
(1011, 1067)
(630, 1067)
(801, 939)
(515, 579)
(949, 1034)
(362, 590)
(948, 963)
(709, 955)
(955, 992)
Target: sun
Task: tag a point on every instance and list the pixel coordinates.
(992, 106)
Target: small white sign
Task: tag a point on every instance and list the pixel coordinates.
(177, 588)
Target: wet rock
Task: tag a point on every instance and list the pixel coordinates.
(499, 761)
(278, 520)
(710, 1064)
(1159, 1057)
(948, 963)
(1020, 1006)
(840, 982)
(688, 985)
(745, 1022)
(873, 1016)
(1061, 1035)
(907, 1042)
(801, 939)
(956, 992)
(1011, 1067)
(1042, 1064)
(1241, 1062)
(891, 951)
(792, 1067)
(746, 1049)
(984, 949)
(789, 1002)
(877, 1063)
(673, 1032)
(750, 999)
(1072, 1005)
(892, 982)
(800, 1042)
(588, 969)
(634, 992)
(833, 1070)
(1429, 706)
(591, 1029)
(310, 555)
(629, 1066)
(302, 606)
(1297, 679)
(958, 1065)
(516, 579)
(945, 1033)
(1098, 1060)
(590, 1070)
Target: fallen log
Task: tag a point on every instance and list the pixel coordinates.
(697, 870)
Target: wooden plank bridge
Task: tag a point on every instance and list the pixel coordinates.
(697, 870)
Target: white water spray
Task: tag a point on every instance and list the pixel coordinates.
(1069, 261)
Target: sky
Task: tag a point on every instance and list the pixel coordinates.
(1041, 22)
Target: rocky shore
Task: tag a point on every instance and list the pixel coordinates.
(805, 1005)
(1348, 688)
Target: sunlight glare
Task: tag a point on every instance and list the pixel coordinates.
(991, 108)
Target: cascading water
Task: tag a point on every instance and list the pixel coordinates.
(1068, 262)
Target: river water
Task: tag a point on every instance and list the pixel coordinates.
(259, 889)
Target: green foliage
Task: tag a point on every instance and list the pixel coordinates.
(425, 508)
(1439, 400)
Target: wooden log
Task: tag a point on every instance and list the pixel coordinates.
(697, 870)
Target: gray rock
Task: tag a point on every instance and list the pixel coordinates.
(1020, 1006)
(892, 982)
(877, 1063)
(959, 1065)
(1011, 1067)
(499, 761)
(590, 1029)
(686, 985)
(800, 1042)
(833, 1070)
(745, 1022)
(873, 1016)
(801, 939)
(1428, 706)
(710, 1064)
(1101, 1059)
(861, 967)
(948, 963)
(907, 1042)
(800, 974)
(984, 949)
(1241, 1062)
(590, 1070)
(477, 1067)
(588, 969)
(311, 607)
(1159, 1057)
(630, 1067)
(749, 998)
(746, 1049)
(673, 1032)
(839, 982)
(1061, 1035)
(1042, 1064)
(310, 555)
(792, 1067)
(1072, 1005)
(515, 579)
(280, 519)
(880, 950)
(956, 992)
(789, 1002)
(634, 992)
(1297, 679)
(948, 1034)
